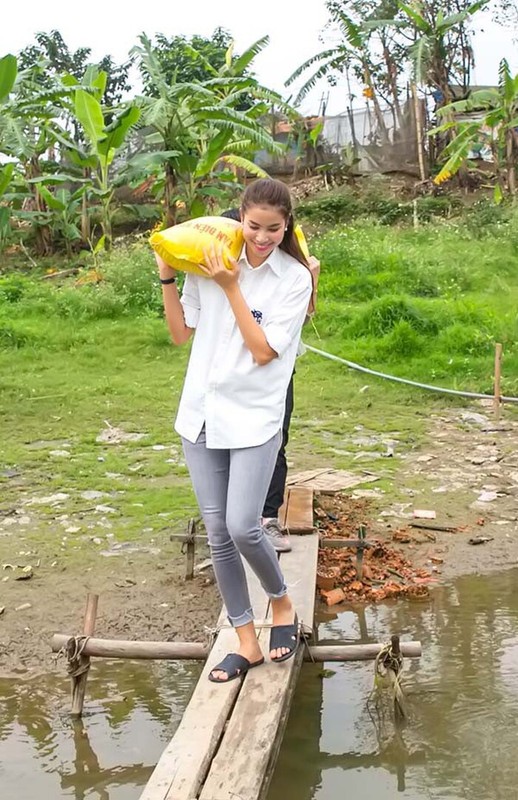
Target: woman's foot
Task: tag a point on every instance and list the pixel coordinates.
(283, 614)
(232, 667)
(250, 651)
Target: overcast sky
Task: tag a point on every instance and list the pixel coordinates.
(112, 28)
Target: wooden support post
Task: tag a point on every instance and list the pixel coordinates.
(359, 553)
(498, 373)
(190, 550)
(80, 666)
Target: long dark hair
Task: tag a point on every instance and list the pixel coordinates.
(270, 192)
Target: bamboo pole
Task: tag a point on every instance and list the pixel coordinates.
(497, 380)
(118, 648)
(79, 681)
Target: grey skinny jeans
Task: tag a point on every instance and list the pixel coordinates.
(231, 487)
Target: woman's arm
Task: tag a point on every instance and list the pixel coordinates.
(180, 332)
(252, 333)
(314, 268)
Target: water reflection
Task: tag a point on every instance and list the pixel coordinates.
(460, 738)
(132, 711)
(87, 772)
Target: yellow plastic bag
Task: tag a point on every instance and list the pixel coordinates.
(182, 246)
(302, 240)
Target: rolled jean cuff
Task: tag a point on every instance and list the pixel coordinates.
(282, 593)
(243, 619)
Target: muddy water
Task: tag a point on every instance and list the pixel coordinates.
(132, 711)
(461, 737)
(460, 740)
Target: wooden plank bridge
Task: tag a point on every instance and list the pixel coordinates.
(210, 755)
(228, 739)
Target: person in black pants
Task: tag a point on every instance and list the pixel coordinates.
(278, 535)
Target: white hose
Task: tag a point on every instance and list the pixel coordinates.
(359, 368)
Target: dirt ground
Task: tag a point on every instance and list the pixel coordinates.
(467, 474)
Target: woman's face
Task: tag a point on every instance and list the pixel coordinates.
(263, 230)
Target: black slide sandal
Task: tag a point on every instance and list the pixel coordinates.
(285, 636)
(235, 666)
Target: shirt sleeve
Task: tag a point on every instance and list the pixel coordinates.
(284, 323)
(191, 300)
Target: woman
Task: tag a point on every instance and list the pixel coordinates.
(246, 323)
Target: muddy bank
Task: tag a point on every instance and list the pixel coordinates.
(141, 596)
(465, 475)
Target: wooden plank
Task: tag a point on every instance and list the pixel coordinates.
(300, 572)
(299, 510)
(185, 761)
(328, 480)
(261, 711)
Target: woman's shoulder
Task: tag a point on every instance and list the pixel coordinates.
(289, 265)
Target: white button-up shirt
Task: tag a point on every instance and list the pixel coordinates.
(240, 402)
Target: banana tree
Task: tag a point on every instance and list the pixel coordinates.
(8, 72)
(6, 174)
(105, 139)
(65, 216)
(29, 125)
(198, 127)
(501, 118)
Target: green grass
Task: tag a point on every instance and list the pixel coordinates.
(427, 305)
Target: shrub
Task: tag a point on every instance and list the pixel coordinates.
(10, 336)
(12, 288)
(382, 315)
(332, 209)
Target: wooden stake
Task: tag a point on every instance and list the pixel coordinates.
(498, 372)
(190, 550)
(79, 680)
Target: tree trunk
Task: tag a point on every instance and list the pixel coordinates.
(418, 132)
(377, 110)
(43, 233)
(350, 114)
(510, 165)
(170, 205)
(107, 227)
(392, 76)
(86, 233)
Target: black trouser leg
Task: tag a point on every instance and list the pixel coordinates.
(275, 496)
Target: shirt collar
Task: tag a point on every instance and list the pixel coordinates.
(274, 261)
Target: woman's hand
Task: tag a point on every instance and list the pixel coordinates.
(215, 268)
